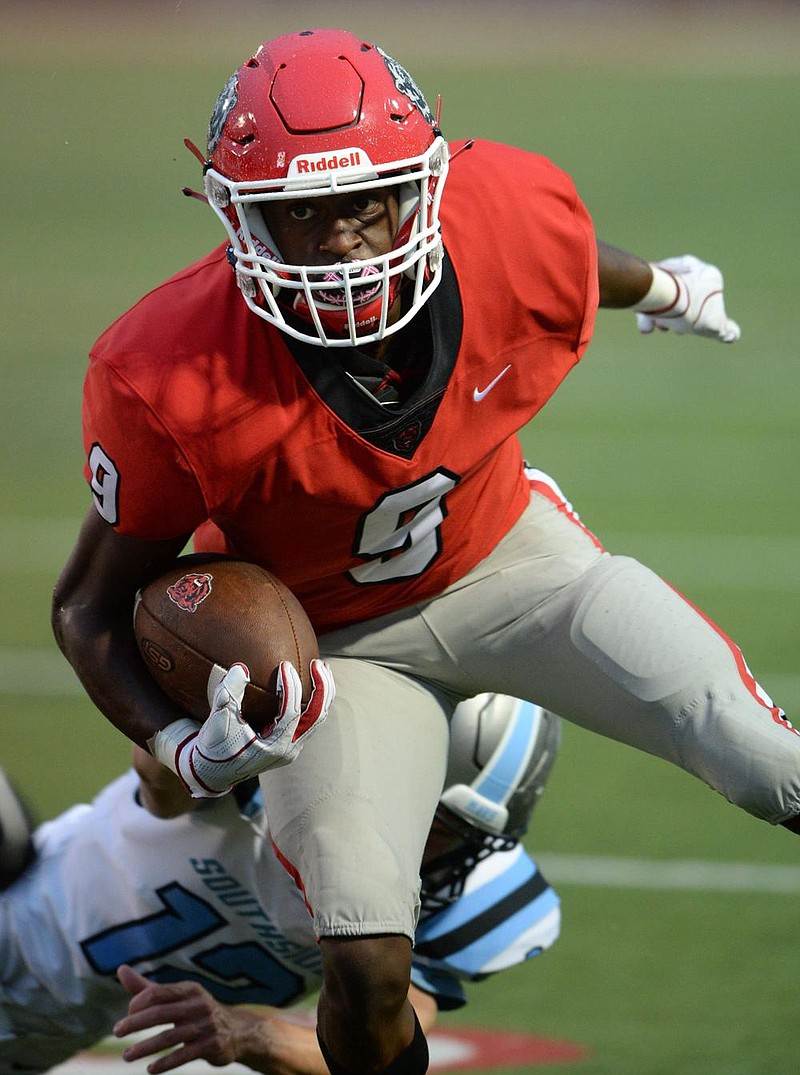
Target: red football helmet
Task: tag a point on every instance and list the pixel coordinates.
(316, 113)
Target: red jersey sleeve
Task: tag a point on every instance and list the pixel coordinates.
(129, 451)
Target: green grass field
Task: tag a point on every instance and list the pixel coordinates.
(679, 451)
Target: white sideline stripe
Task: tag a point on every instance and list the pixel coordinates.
(689, 875)
(730, 561)
(43, 672)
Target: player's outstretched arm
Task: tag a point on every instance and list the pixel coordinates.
(682, 294)
(203, 1029)
(624, 278)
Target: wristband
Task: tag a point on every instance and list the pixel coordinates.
(166, 744)
(664, 295)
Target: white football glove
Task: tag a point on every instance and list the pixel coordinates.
(686, 297)
(211, 757)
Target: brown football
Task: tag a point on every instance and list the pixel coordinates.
(208, 612)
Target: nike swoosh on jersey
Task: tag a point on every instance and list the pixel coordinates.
(479, 393)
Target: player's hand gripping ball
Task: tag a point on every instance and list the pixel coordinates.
(206, 614)
(227, 635)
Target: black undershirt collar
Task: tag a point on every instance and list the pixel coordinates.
(392, 403)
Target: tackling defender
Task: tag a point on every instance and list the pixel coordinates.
(335, 392)
(190, 893)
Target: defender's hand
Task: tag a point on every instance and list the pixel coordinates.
(686, 296)
(212, 757)
(183, 1018)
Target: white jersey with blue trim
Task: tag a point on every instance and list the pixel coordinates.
(202, 897)
(199, 897)
(506, 914)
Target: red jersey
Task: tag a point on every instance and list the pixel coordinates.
(199, 417)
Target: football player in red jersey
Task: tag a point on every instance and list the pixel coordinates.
(352, 425)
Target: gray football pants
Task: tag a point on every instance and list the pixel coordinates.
(550, 617)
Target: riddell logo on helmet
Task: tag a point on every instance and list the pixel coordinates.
(329, 162)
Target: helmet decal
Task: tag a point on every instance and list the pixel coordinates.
(406, 85)
(227, 100)
(354, 159)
